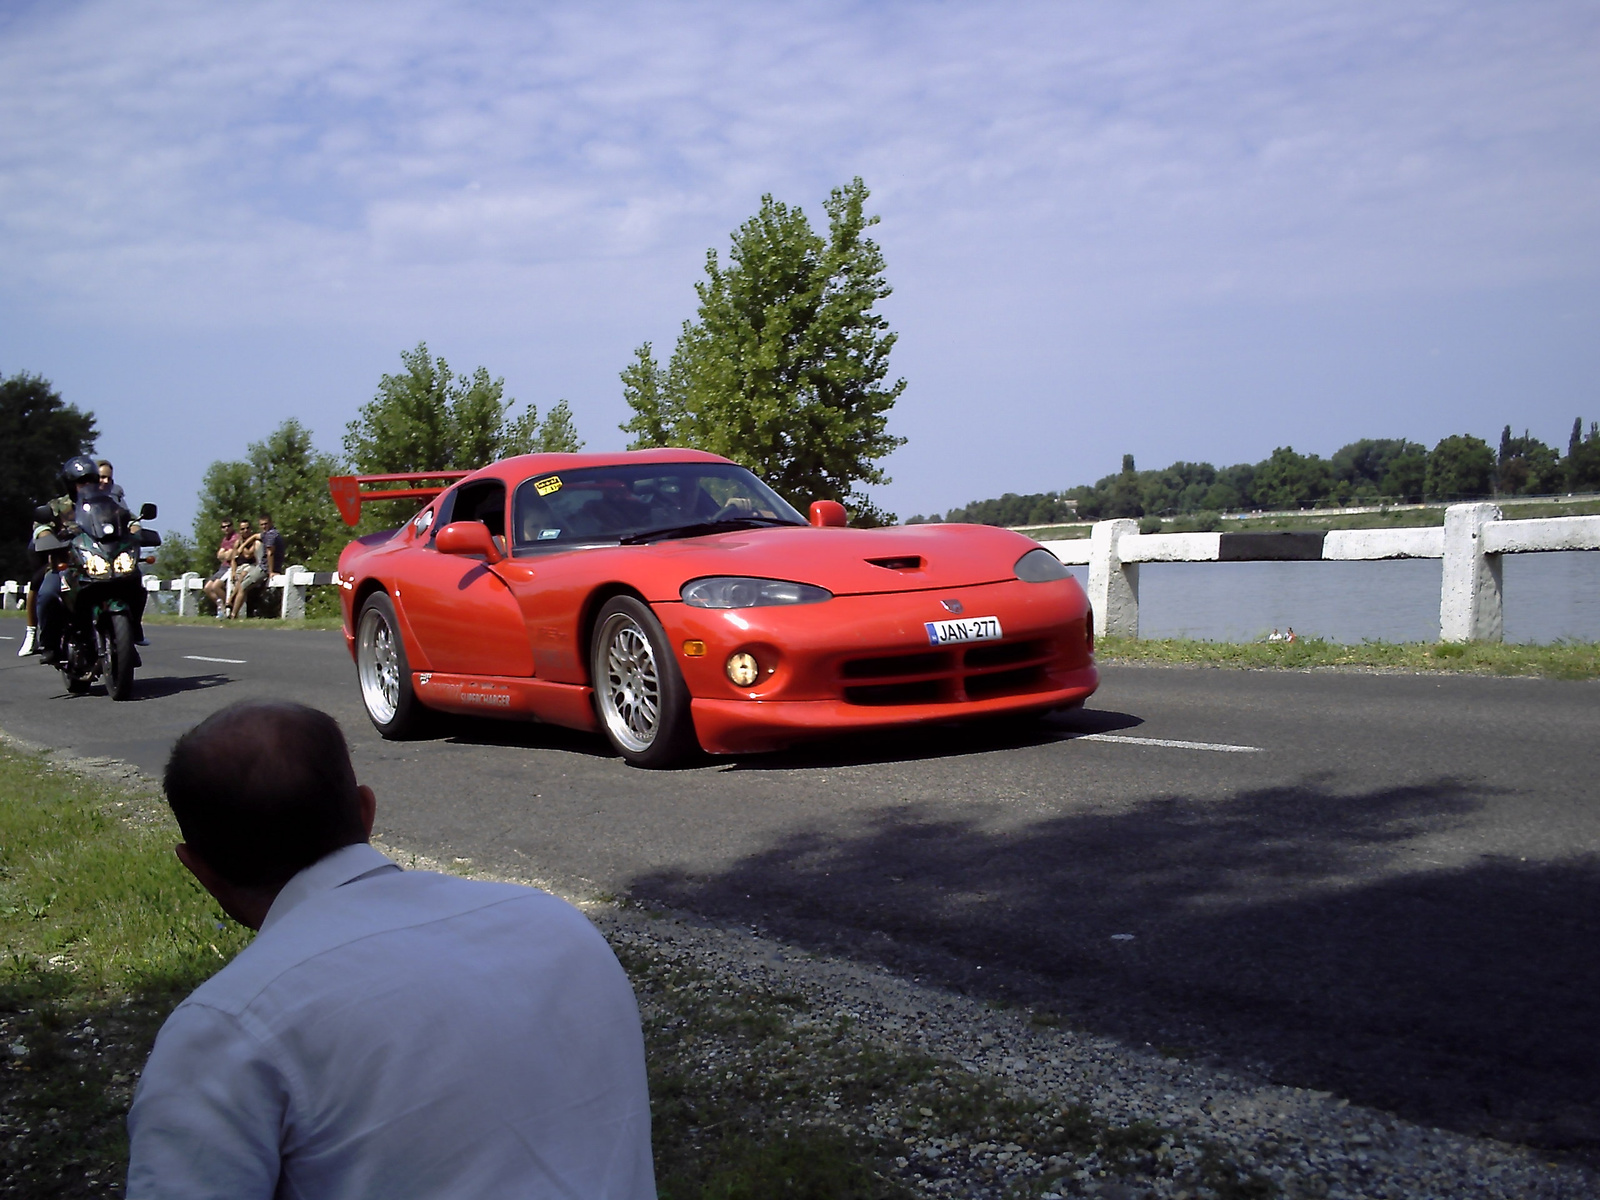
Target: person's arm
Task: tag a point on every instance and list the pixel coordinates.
(207, 1116)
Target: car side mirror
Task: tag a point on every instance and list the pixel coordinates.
(468, 538)
(147, 512)
(829, 514)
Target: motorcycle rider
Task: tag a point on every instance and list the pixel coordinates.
(82, 475)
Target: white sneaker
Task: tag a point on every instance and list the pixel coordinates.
(27, 642)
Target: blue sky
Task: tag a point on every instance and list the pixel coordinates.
(1171, 230)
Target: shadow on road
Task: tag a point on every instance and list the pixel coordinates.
(934, 741)
(1295, 932)
(172, 685)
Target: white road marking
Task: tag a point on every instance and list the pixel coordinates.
(205, 658)
(1224, 747)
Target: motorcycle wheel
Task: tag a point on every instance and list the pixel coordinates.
(119, 680)
(74, 685)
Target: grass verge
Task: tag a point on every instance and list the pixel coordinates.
(103, 933)
(1559, 660)
(754, 1094)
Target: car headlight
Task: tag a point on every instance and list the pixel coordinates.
(96, 564)
(737, 591)
(123, 563)
(1040, 566)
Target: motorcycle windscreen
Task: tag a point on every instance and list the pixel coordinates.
(100, 517)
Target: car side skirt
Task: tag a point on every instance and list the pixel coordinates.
(748, 726)
(517, 698)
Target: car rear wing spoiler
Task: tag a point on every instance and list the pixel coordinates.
(347, 493)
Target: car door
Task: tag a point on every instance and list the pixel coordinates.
(461, 611)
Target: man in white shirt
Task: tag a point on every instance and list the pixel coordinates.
(390, 1033)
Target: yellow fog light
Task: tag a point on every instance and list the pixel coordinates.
(123, 563)
(96, 564)
(743, 669)
(694, 649)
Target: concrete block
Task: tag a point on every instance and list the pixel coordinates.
(1471, 599)
(1113, 584)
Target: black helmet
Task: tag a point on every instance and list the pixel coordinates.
(79, 468)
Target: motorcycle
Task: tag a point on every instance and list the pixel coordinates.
(100, 588)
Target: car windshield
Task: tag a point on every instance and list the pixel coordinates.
(610, 504)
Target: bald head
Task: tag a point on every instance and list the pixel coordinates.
(264, 789)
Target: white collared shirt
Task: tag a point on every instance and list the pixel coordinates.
(400, 1034)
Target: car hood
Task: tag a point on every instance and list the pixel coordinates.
(845, 561)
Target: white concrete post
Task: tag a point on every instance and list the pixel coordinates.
(1113, 586)
(1471, 606)
(294, 593)
(11, 594)
(186, 591)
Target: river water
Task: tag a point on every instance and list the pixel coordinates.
(1547, 597)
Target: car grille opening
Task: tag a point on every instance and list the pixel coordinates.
(949, 677)
(922, 691)
(896, 665)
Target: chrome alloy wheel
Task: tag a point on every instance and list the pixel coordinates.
(630, 689)
(378, 665)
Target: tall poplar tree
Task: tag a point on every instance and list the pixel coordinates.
(784, 367)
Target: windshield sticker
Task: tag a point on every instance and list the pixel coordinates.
(547, 485)
(546, 534)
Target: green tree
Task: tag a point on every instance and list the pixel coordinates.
(1290, 480)
(429, 419)
(558, 433)
(1525, 466)
(1460, 467)
(38, 432)
(784, 367)
(1583, 458)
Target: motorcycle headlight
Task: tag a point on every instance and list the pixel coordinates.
(123, 563)
(1040, 566)
(97, 564)
(738, 591)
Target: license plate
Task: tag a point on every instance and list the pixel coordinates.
(966, 629)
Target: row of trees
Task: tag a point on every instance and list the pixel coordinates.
(1370, 471)
(424, 418)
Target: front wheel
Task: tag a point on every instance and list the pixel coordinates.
(119, 680)
(638, 689)
(385, 676)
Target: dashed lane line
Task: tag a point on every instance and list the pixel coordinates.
(1169, 743)
(208, 658)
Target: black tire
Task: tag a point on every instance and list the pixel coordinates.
(119, 680)
(639, 693)
(74, 685)
(384, 674)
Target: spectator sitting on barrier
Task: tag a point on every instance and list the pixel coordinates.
(389, 1033)
(266, 547)
(217, 586)
(246, 574)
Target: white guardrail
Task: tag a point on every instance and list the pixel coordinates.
(292, 583)
(1471, 542)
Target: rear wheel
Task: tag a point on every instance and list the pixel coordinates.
(638, 689)
(385, 676)
(119, 680)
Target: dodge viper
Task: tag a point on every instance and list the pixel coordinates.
(673, 602)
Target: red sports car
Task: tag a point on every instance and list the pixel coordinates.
(674, 602)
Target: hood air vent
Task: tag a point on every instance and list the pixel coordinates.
(906, 562)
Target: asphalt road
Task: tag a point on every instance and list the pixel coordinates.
(1386, 886)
